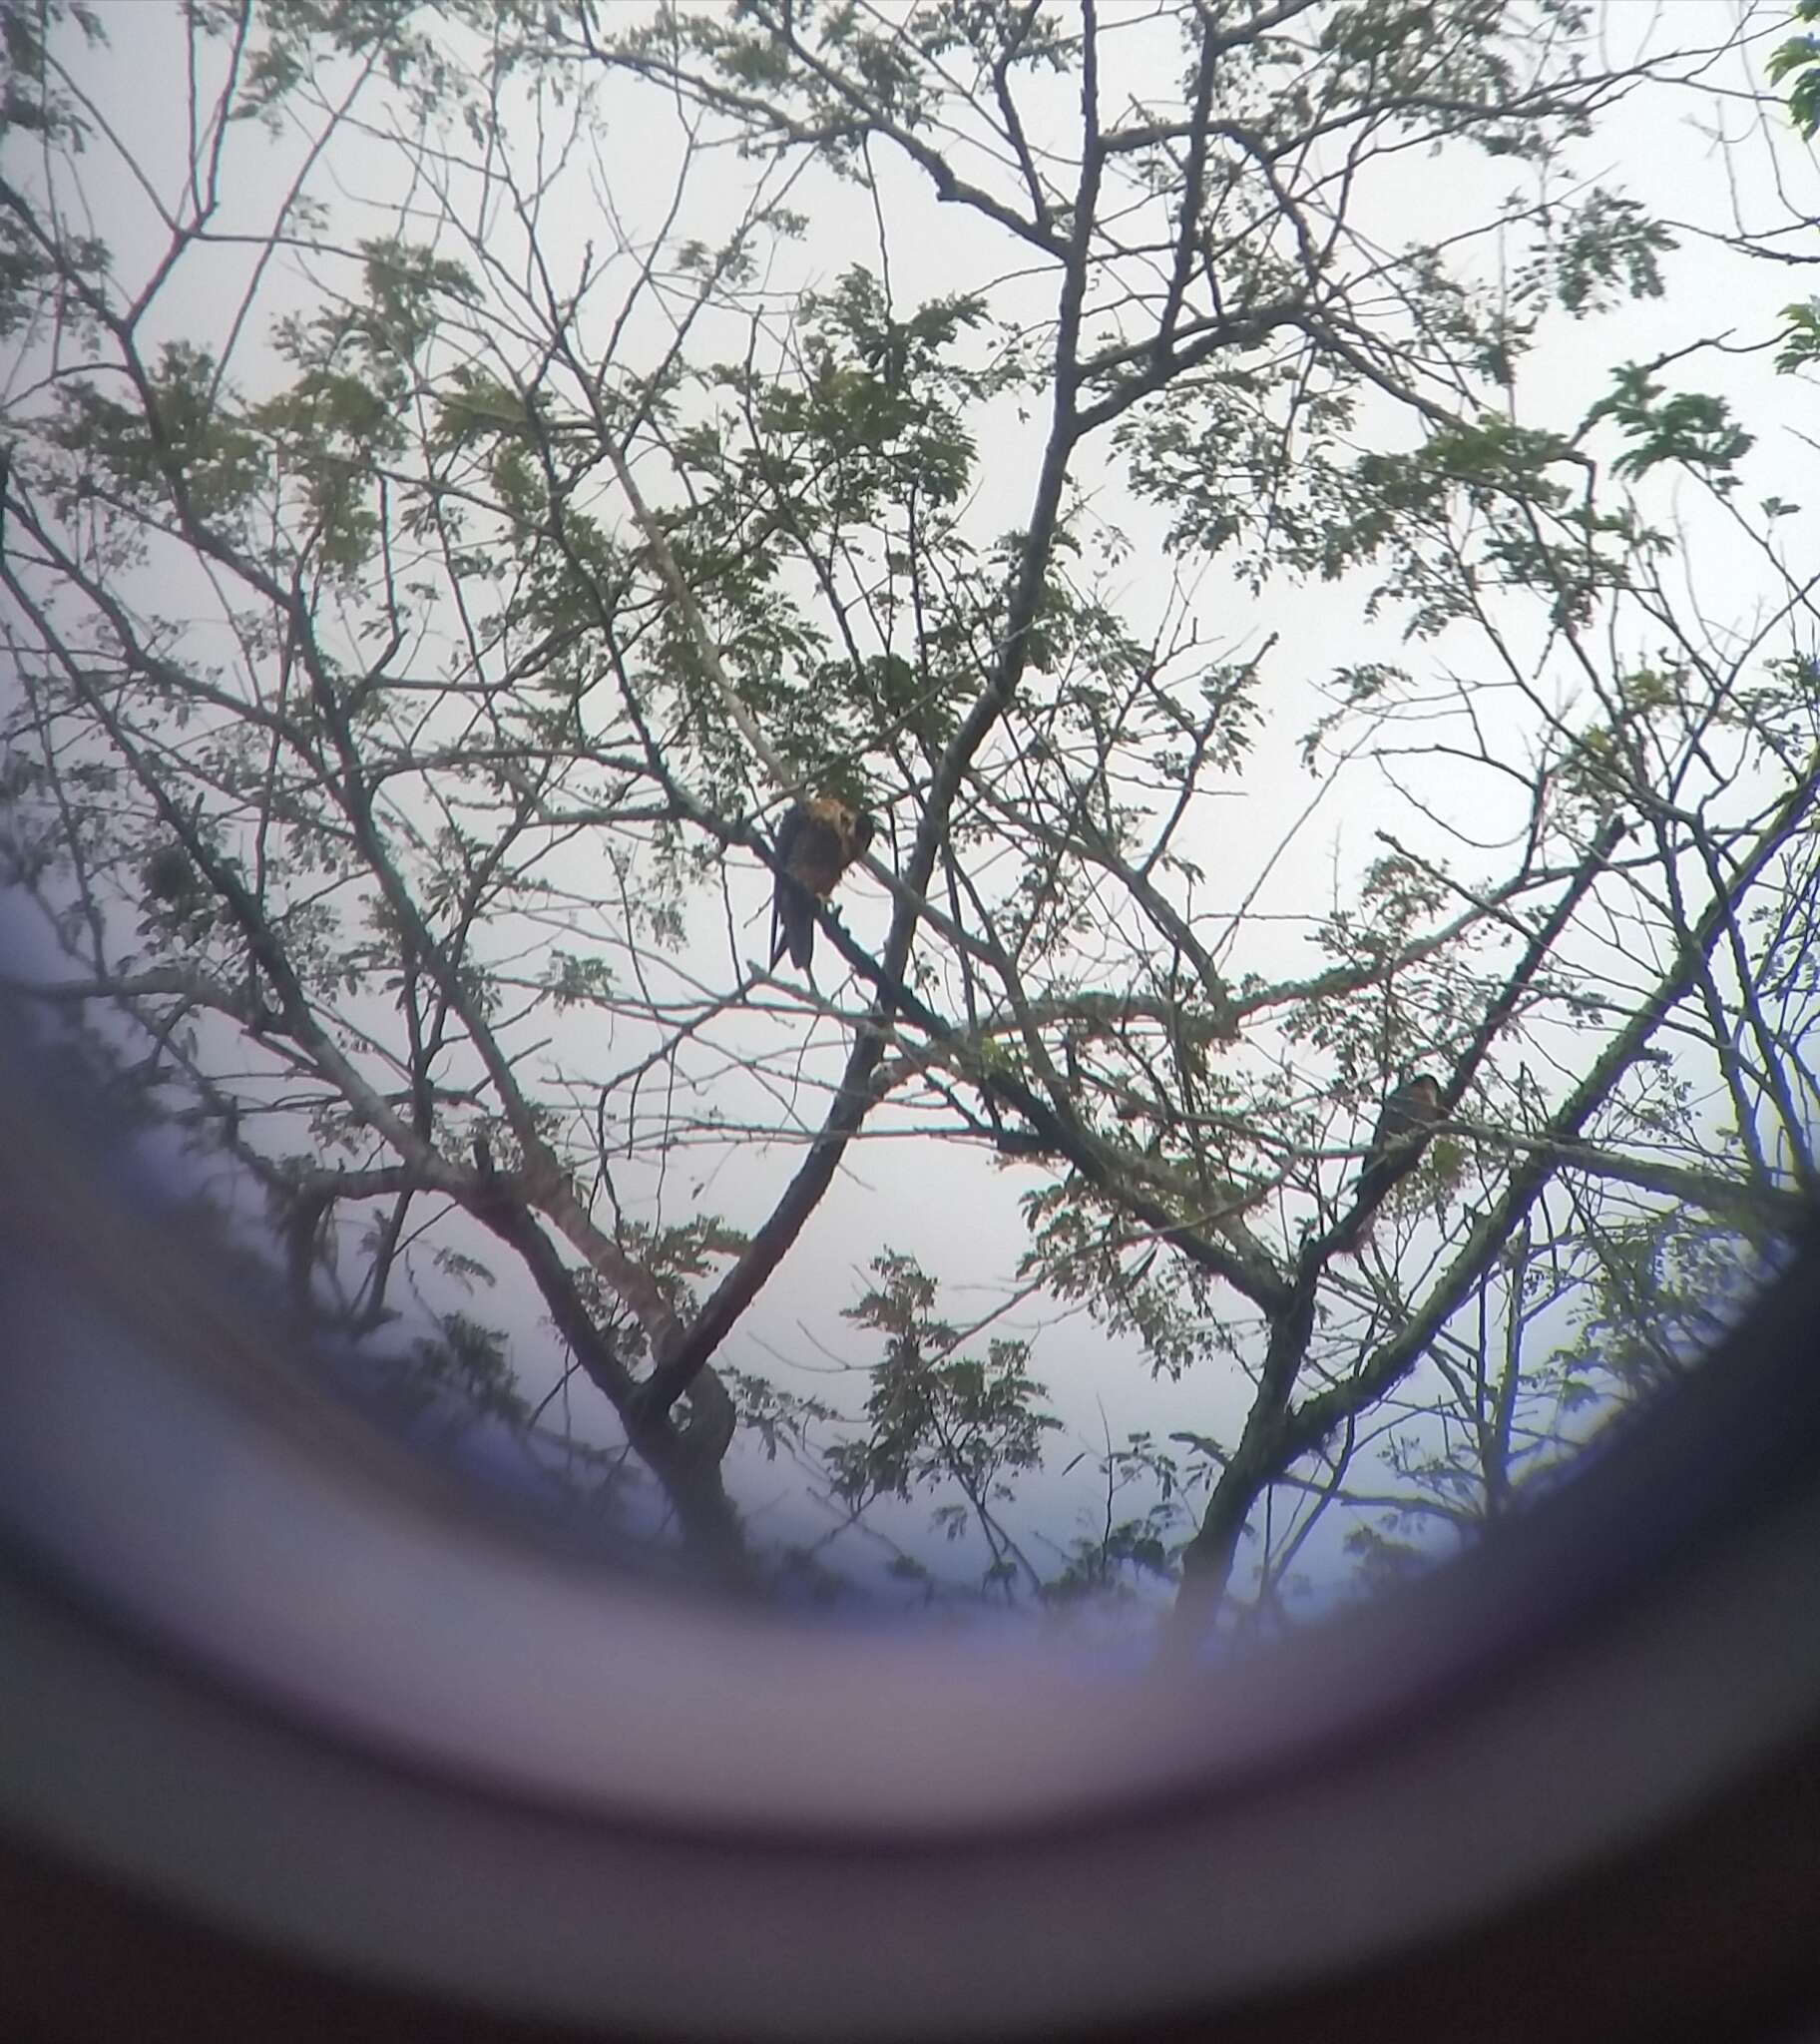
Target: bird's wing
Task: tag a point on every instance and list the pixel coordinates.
(1404, 1114)
(788, 830)
(1390, 1125)
(817, 854)
(785, 894)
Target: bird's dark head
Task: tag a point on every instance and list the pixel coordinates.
(1425, 1087)
(865, 828)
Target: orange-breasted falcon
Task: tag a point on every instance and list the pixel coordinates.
(817, 842)
(1408, 1113)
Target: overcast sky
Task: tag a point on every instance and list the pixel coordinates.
(952, 1209)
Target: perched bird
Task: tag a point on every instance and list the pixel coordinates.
(1414, 1106)
(817, 842)
(1411, 1111)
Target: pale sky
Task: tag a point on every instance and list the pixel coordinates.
(949, 1209)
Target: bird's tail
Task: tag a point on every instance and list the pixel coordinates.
(1356, 1238)
(792, 923)
(1367, 1196)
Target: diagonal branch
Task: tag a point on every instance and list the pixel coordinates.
(1273, 1441)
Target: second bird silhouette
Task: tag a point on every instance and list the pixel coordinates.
(1402, 1133)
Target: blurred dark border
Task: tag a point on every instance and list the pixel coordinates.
(1567, 1787)
(1708, 1934)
